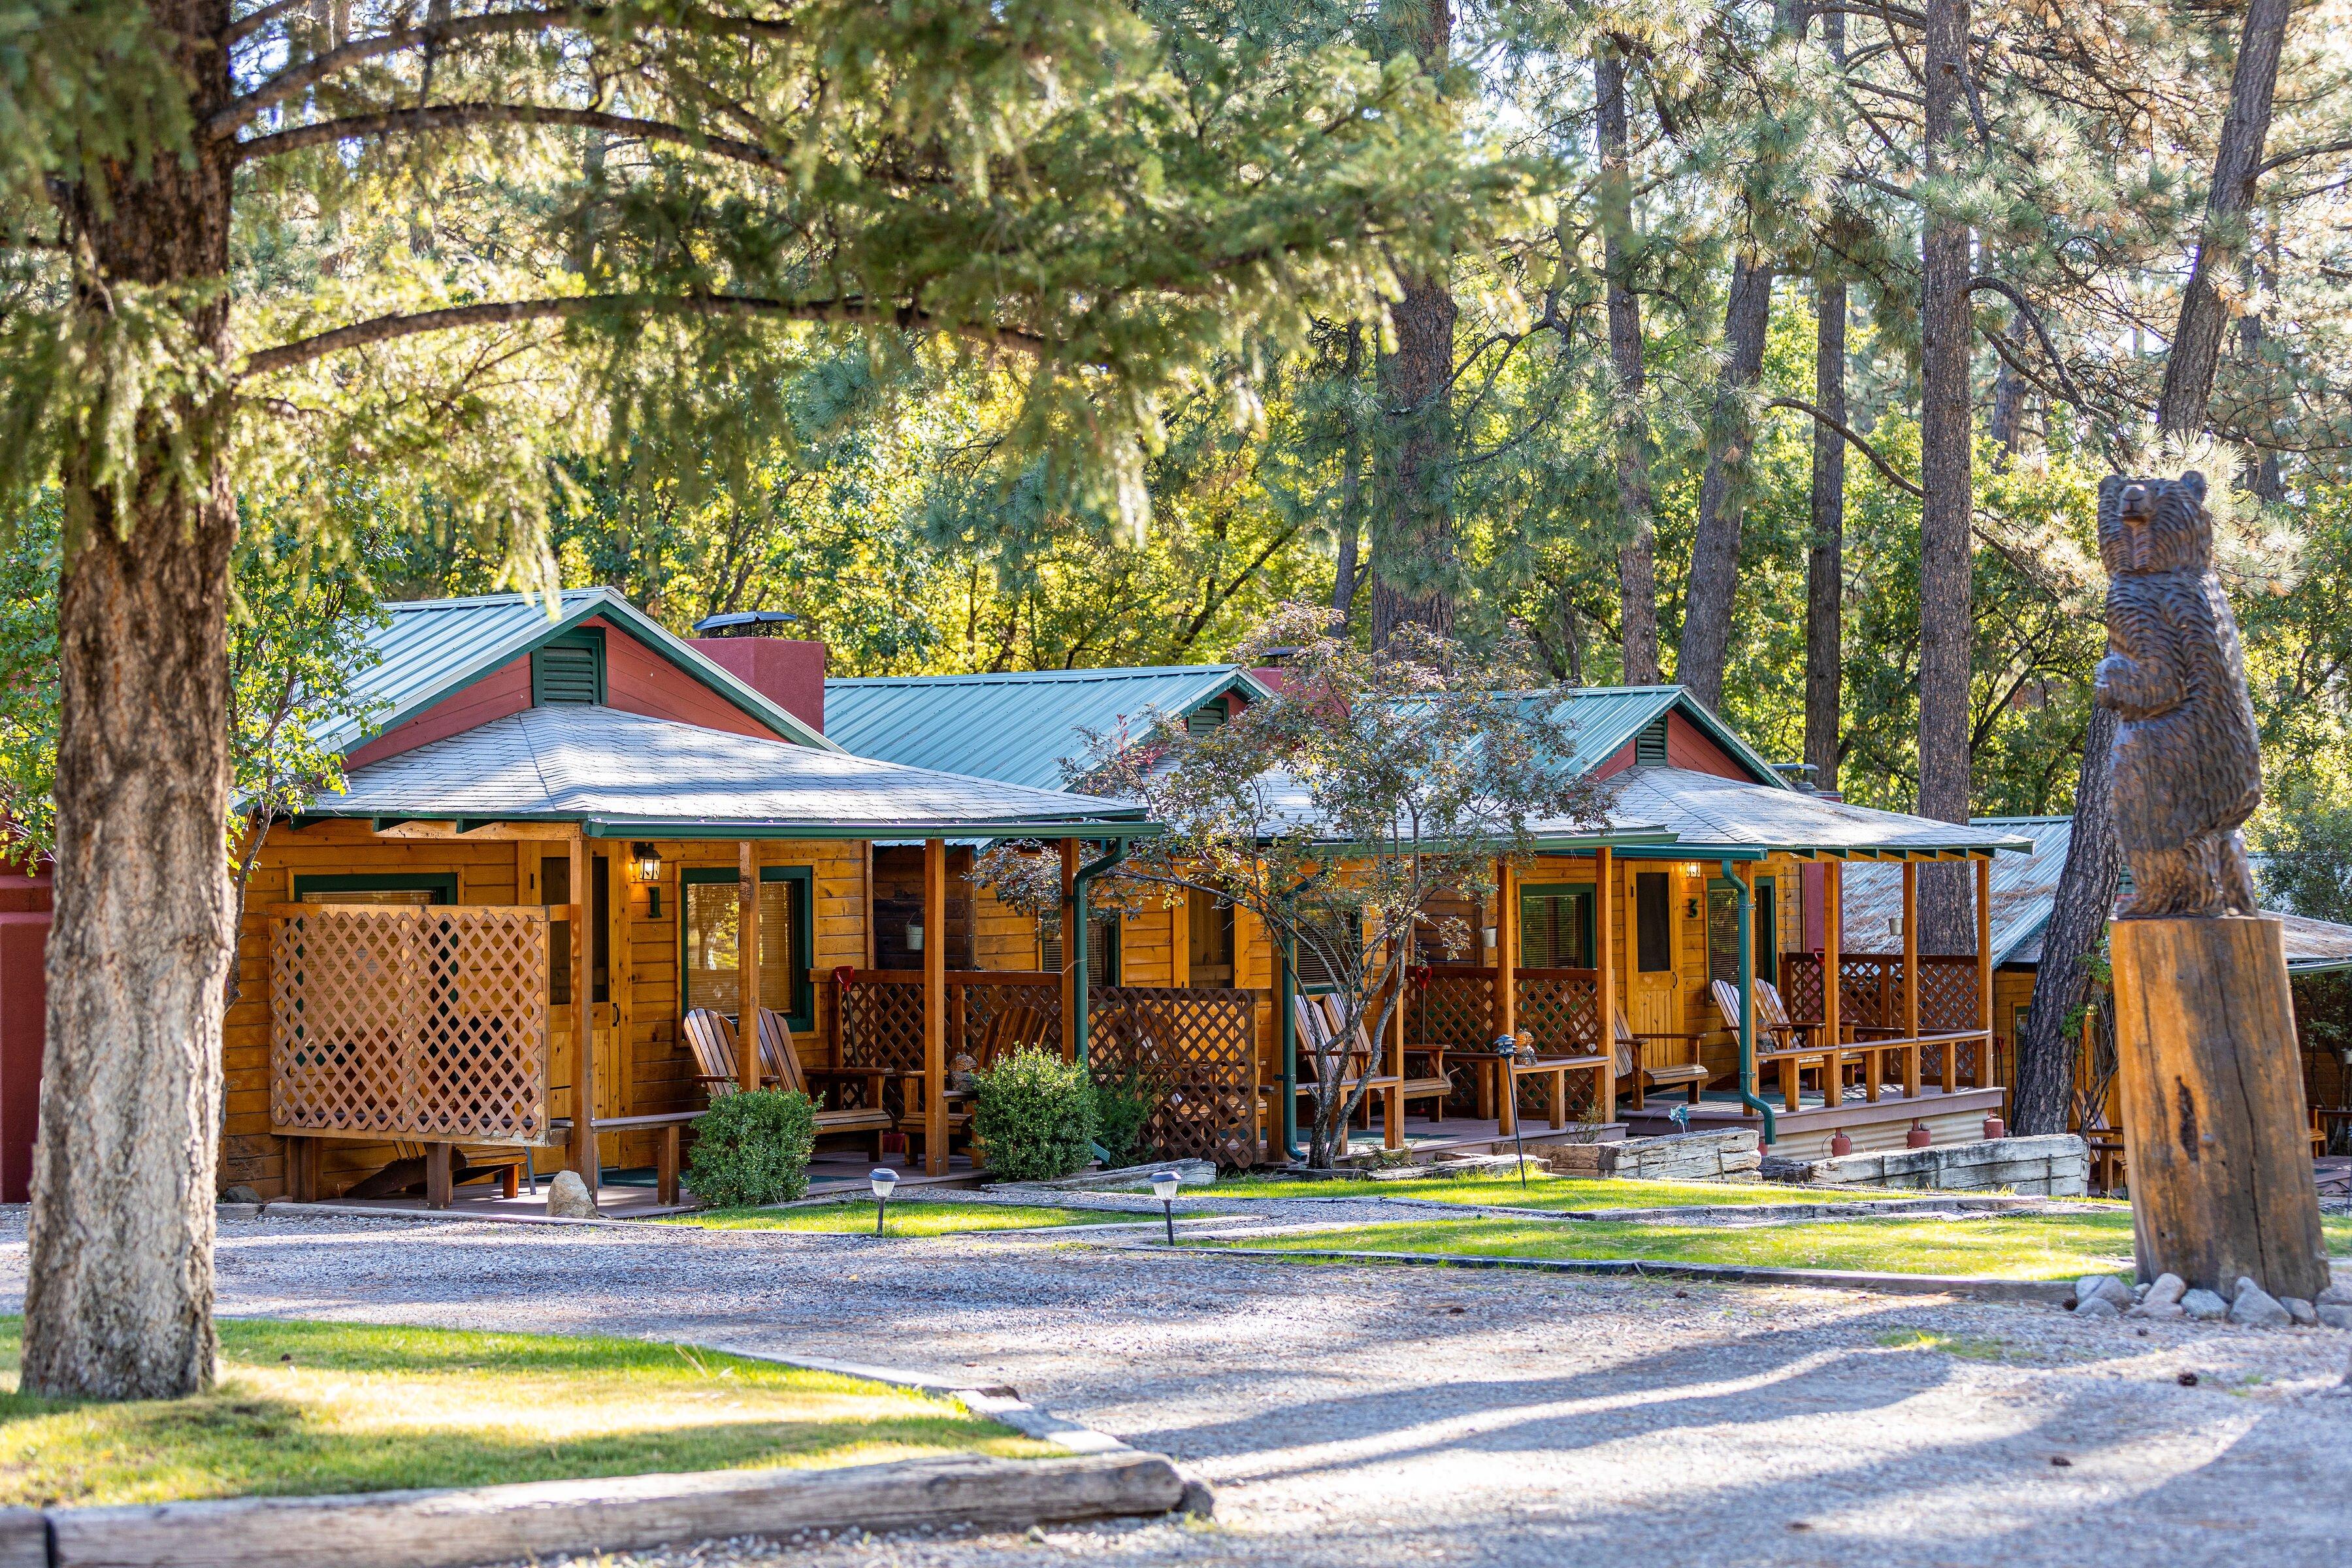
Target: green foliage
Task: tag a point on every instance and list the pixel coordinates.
(753, 1147)
(1033, 1115)
(2305, 867)
(1123, 1103)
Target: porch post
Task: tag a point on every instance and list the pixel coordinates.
(1069, 969)
(1984, 972)
(747, 964)
(1392, 1132)
(1833, 954)
(1911, 975)
(585, 1158)
(935, 1007)
(1604, 941)
(1506, 988)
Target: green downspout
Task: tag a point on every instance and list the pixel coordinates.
(1079, 1026)
(1748, 1004)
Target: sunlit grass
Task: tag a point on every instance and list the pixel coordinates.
(907, 1217)
(1543, 1192)
(2007, 1245)
(306, 1407)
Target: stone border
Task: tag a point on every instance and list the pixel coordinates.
(1979, 1287)
(1100, 1478)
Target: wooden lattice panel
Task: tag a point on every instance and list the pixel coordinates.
(1452, 1007)
(1559, 1011)
(1800, 984)
(881, 1025)
(427, 1024)
(1948, 993)
(1199, 1045)
(983, 1004)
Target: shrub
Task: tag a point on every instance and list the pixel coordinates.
(753, 1147)
(1122, 1105)
(1034, 1115)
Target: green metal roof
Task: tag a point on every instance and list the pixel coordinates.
(1015, 727)
(432, 648)
(1605, 720)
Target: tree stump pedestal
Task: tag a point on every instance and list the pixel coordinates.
(2211, 1091)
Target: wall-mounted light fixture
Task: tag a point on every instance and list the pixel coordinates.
(1691, 869)
(914, 938)
(645, 864)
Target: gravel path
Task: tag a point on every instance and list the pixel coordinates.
(1355, 1415)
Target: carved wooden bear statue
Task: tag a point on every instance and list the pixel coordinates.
(2187, 769)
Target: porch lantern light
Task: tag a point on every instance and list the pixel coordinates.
(646, 861)
(1163, 1187)
(1486, 937)
(883, 1179)
(914, 938)
(1691, 869)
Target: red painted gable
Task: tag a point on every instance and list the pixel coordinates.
(637, 679)
(1689, 747)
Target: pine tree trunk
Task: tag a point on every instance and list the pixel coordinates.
(1352, 459)
(2086, 889)
(1722, 496)
(1825, 562)
(120, 1295)
(1945, 623)
(1637, 560)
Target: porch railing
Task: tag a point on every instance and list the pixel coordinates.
(1197, 1045)
(1871, 999)
(407, 1023)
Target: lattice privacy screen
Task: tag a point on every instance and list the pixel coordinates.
(1198, 1046)
(427, 1024)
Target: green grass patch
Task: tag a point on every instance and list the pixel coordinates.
(907, 1217)
(2007, 1245)
(1542, 1191)
(306, 1407)
(1967, 1347)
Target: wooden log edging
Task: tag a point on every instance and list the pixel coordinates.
(457, 1528)
(1981, 1287)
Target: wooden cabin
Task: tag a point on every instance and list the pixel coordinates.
(1705, 839)
(572, 830)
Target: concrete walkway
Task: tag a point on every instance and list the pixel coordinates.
(1356, 1415)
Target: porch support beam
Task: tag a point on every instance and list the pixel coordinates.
(1604, 941)
(1911, 974)
(1069, 968)
(935, 1007)
(1984, 979)
(585, 1158)
(747, 964)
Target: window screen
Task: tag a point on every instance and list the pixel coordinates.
(1102, 948)
(1210, 938)
(555, 887)
(1556, 928)
(1722, 933)
(1654, 948)
(713, 941)
(1314, 972)
(1767, 932)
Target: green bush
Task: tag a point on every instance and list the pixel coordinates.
(1122, 1105)
(1033, 1114)
(753, 1147)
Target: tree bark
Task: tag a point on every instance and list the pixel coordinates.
(1344, 571)
(120, 1293)
(1825, 562)
(1722, 497)
(1637, 558)
(1945, 622)
(2086, 889)
(1413, 563)
(2009, 391)
(2197, 340)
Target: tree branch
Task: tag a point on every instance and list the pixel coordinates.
(2298, 154)
(383, 329)
(1864, 448)
(456, 116)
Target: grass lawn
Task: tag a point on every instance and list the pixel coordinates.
(909, 1217)
(336, 1408)
(2014, 1246)
(1545, 1192)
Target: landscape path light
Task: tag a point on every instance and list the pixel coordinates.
(883, 1178)
(1163, 1186)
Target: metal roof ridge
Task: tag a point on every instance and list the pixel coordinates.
(1090, 672)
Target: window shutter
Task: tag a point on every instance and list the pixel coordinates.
(1649, 745)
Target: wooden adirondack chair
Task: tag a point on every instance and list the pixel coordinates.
(713, 1039)
(1635, 1072)
(780, 1060)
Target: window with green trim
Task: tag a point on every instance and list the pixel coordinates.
(710, 939)
(418, 887)
(569, 668)
(1723, 931)
(1556, 926)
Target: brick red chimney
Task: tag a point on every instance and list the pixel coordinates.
(785, 671)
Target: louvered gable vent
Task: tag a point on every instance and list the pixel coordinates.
(1649, 745)
(569, 669)
(1205, 718)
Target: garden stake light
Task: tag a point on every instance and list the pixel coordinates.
(1163, 1186)
(882, 1178)
(1505, 1048)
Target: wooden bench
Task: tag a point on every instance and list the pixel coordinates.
(665, 1153)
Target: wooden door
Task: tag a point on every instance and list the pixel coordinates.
(1652, 955)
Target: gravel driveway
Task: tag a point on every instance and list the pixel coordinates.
(1374, 1416)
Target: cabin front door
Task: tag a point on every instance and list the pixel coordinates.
(1652, 986)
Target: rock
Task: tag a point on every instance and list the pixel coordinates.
(2300, 1311)
(2332, 1316)
(2256, 1308)
(1197, 1499)
(240, 1193)
(2097, 1307)
(567, 1197)
(2101, 1287)
(2335, 1296)
(2167, 1287)
(2204, 1306)
(2162, 1311)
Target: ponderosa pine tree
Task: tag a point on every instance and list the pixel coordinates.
(443, 245)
